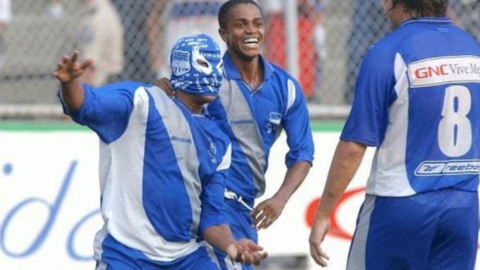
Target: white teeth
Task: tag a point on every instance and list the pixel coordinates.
(251, 40)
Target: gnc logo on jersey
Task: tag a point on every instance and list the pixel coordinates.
(427, 72)
(444, 70)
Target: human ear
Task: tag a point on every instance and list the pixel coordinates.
(223, 34)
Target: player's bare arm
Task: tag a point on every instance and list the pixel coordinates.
(244, 250)
(270, 210)
(68, 72)
(345, 163)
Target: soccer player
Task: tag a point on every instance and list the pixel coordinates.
(256, 102)
(417, 100)
(163, 164)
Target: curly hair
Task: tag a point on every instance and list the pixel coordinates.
(229, 5)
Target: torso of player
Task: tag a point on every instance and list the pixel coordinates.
(432, 137)
(161, 159)
(253, 119)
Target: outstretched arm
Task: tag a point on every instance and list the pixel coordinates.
(68, 73)
(244, 250)
(269, 210)
(345, 163)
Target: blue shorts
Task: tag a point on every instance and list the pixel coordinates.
(241, 225)
(430, 231)
(119, 257)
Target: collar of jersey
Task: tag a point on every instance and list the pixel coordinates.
(188, 111)
(433, 20)
(231, 72)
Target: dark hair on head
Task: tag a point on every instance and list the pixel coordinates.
(229, 5)
(424, 8)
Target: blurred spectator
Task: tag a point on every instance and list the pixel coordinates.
(133, 14)
(466, 14)
(311, 40)
(101, 38)
(5, 17)
(170, 20)
(368, 25)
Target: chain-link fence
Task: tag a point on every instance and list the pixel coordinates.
(129, 39)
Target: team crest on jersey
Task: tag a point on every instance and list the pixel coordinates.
(180, 62)
(275, 119)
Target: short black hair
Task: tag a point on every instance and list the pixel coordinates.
(424, 8)
(227, 6)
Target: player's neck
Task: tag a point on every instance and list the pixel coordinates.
(251, 72)
(189, 102)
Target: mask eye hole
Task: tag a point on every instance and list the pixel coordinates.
(202, 63)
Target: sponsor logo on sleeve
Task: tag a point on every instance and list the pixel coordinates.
(437, 71)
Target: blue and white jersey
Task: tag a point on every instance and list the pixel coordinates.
(420, 106)
(162, 169)
(253, 120)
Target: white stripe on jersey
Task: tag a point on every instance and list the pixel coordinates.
(126, 156)
(245, 129)
(227, 159)
(292, 94)
(389, 173)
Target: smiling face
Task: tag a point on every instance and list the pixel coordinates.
(244, 31)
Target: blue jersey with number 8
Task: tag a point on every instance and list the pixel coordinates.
(420, 106)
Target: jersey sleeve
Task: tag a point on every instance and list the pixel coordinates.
(297, 126)
(374, 92)
(106, 109)
(213, 204)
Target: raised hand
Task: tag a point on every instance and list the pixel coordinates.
(70, 69)
(267, 212)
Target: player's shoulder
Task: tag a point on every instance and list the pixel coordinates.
(382, 53)
(280, 75)
(277, 70)
(125, 85)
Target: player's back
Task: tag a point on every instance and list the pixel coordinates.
(430, 138)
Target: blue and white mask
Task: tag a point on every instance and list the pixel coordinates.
(197, 65)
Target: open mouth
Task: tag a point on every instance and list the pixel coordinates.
(251, 41)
